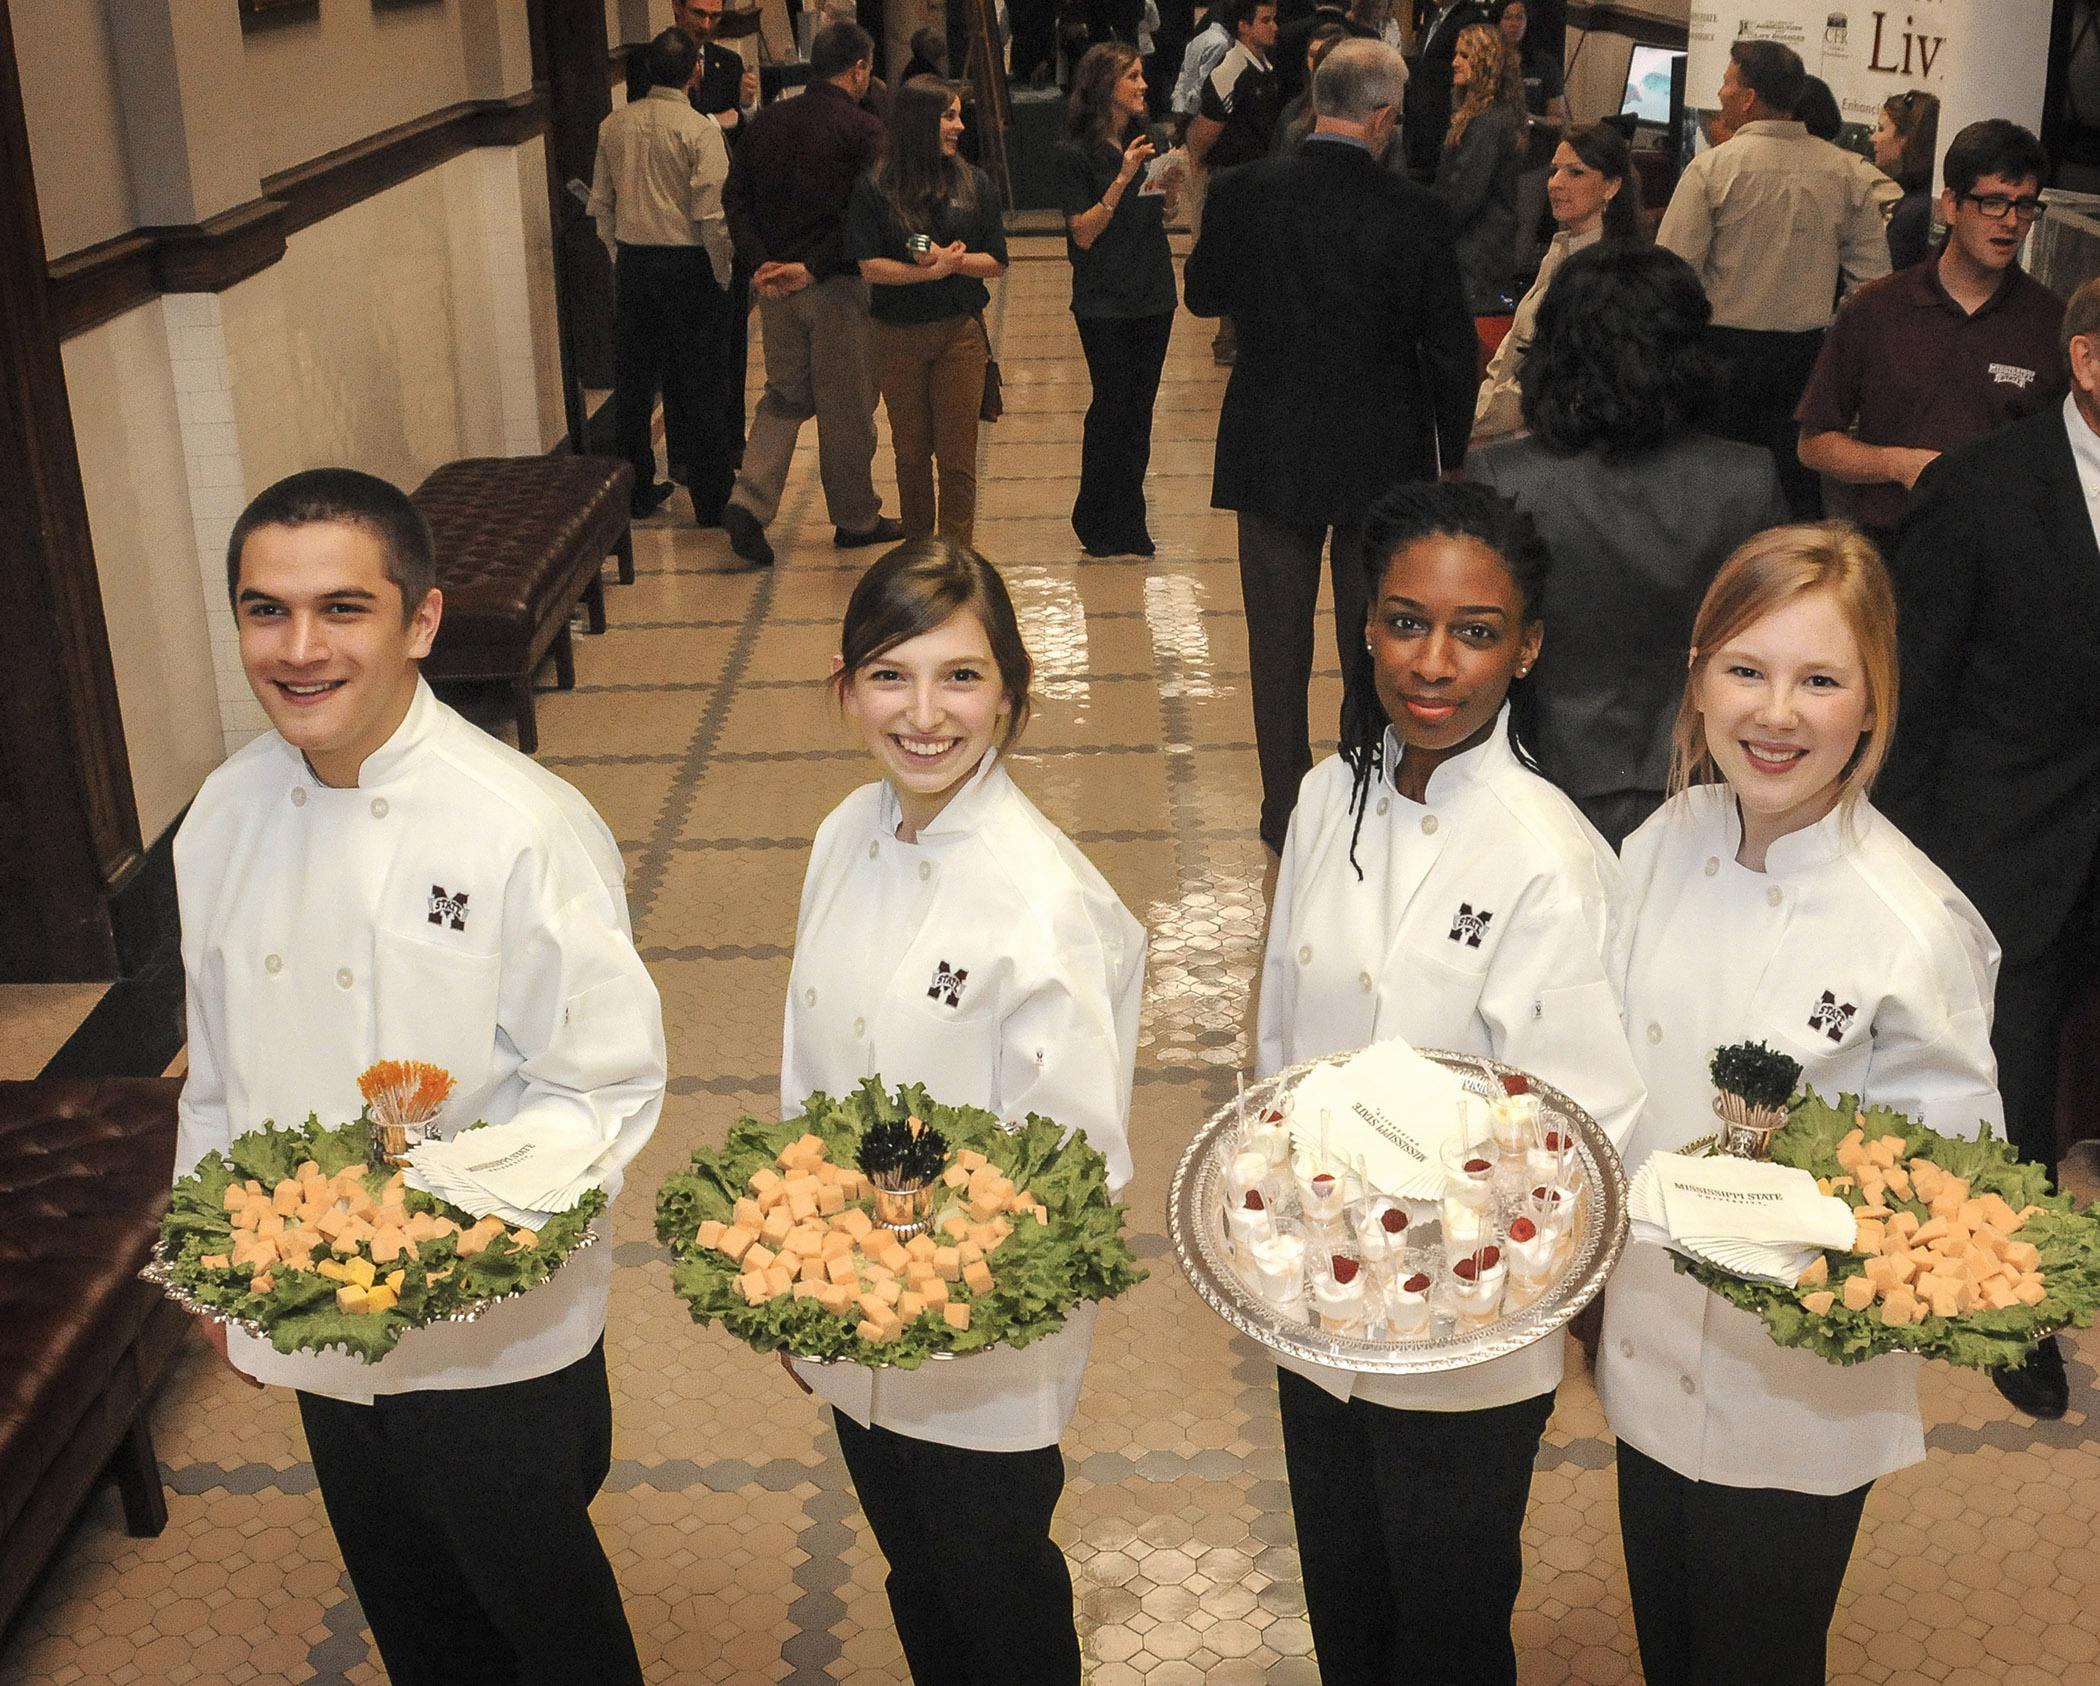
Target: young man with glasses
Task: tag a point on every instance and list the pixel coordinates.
(1947, 350)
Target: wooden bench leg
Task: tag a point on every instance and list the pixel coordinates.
(528, 718)
(624, 550)
(594, 602)
(137, 1472)
(565, 658)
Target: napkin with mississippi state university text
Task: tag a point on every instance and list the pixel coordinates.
(1758, 1221)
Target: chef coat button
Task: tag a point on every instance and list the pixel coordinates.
(925, 871)
(809, 998)
(273, 964)
(1429, 825)
(1655, 1033)
(874, 849)
(1383, 805)
(1687, 1385)
(1713, 865)
(379, 807)
(860, 1027)
(343, 979)
(1775, 895)
(298, 796)
(1363, 982)
(1625, 1349)
(1305, 954)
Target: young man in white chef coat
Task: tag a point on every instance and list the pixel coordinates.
(377, 879)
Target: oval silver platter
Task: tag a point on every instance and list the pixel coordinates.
(1195, 1223)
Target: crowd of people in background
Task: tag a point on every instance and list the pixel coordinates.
(1628, 638)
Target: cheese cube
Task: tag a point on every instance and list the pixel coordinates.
(766, 1184)
(1816, 1275)
(1900, 1308)
(774, 1231)
(835, 1244)
(977, 1277)
(956, 1315)
(308, 1172)
(892, 1258)
(379, 1299)
(970, 1159)
(873, 1307)
(1998, 1293)
(270, 1223)
(956, 1226)
(350, 1298)
(813, 1270)
(395, 1278)
(920, 1247)
(806, 1289)
(969, 1252)
(252, 1186)
(983, 1206)
(1818, 1304)
(887, 1289)
(734, 1243)
(779, 1281)
(911, 1306)
(802, 1207)
(852, 1183)
(835, 1299)
(956, 1177)
(213, 1261)
(388, 1245)
(806, 1239)
(1040, 1213)
(920, 1272)
(747, 1214)
(711, 1231)
(333, 1270)
(261, 1284)
(285, 1197)
(830, 1199)
(360, 1271)
(935, 1292)
(856, 1223)
(1868, 1240)
(760, 1257)
(330, 1223)
(827, 1173)
(752, 1286)
(1858, 1293)
(839, 1268)
(2023, 1256)
(947, 1264)
(2028, 1290)
(879, 1334)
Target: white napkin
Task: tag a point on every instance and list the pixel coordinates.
(522, 1172)
(1757, 1221)
(1389, 1111)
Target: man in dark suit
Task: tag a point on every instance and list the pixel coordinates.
(1996, 767)
(1357, 369)
(1429, 87)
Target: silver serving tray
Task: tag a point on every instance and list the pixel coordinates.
(160, 1271)
(1195, 1223)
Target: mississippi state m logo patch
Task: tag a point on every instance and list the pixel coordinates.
(1468, 927)
(447, 908)
(1832, 1016)
(947, 985)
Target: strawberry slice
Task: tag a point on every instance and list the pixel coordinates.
(1392, 1220)
(1464, 1270)
(1254, 1201)
(1323, 1182)
(1490, 1257)
(1345, 1268)
(1416, 1284)
(1542, 1192)
(1474, 1167)
(1516, 1083)
(1523, 1229)
(1555, 1141)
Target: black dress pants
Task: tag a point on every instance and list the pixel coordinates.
(671, 334)
(464, 1519)
(980, 1593)
(1124, 356)
(1762, 377)
(1280, 586)
(2027, 1026)
(1410, 1531)
(1732, 1586)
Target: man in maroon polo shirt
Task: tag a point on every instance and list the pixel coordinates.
(786, 198)
(1945, 351)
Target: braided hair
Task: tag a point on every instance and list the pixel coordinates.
(1417, 511)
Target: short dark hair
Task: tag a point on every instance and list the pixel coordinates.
(1993, 147)
(1237, 14)
(837, 48)
(930, 44)
(355, 499)
(672, 56)
(1818, 109)
(1619, 357)
(920, 586)
(1775, 74)
(1419, 510)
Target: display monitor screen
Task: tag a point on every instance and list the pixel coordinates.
(1648, 84)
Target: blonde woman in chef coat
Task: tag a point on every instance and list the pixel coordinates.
(1410, 1491)
(1769, 900)
(950, 935)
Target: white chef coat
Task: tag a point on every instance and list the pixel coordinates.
(1856, 955)
(460, 905)
(992, 963)
(1483, 924)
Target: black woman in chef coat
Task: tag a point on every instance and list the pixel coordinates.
(1410, 1491)
(950, 935)
(1767, 899)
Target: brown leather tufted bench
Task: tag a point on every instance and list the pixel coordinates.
(84, 1173)
(520, 540)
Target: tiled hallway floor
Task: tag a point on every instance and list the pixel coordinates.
(700, 729)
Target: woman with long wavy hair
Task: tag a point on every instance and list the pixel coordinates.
(1122, 292)
(1906, 137)
(1476, 173)
(928, 301)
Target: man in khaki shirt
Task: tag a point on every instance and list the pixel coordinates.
(657, 196)
(1774, 221)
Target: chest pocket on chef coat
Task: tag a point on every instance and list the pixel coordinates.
(1439, 989)
(437, 1003)
(1830, 1031)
